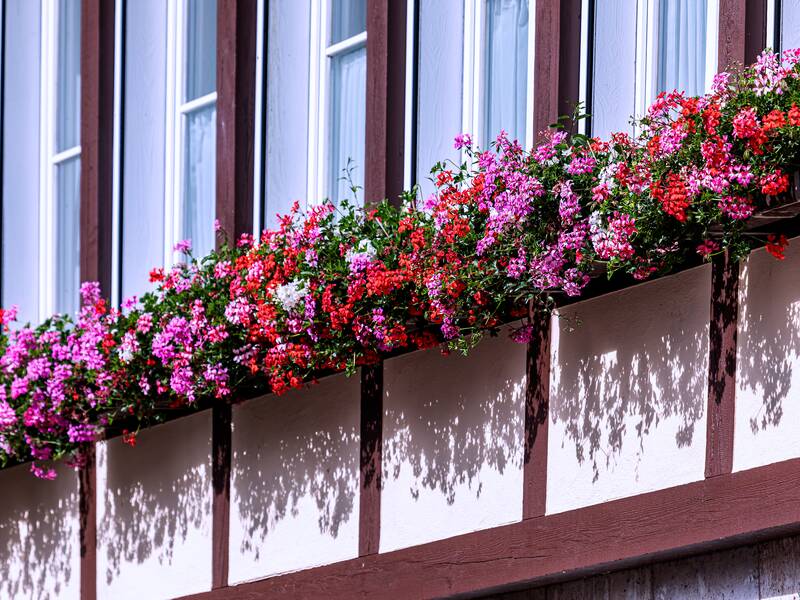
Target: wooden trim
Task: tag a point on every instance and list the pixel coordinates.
(712, 514)
(221, 453)
(722, 365)
(369, 509)
(385, 110)
(236, 90)
(742, 32)
(537, 399)
(87, 508)
(97, 141)
(556, 76)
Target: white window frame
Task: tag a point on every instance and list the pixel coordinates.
(322, 53)
(260, 114)
(116, 181)
(176, 112)
(473, 110)
(647, 45)
(49, 158)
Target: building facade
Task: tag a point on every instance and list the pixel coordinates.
(602, 460)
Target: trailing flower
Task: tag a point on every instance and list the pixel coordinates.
(335, 288)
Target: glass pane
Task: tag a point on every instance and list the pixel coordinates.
(506, 68)
(681, 63)
(67, 226)
(348, 118)
(348, 18)
(68, 75)
(199, 179)
(201, 48)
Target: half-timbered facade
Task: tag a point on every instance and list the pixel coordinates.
(645, 444)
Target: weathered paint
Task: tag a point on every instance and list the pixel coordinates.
(294, 493)
(154, 512)
(628, 392)
(453, 442)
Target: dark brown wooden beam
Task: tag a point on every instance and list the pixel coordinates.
(369, 509)
(385, 110)
(711, 514)
(742, 32)
(236, 85)
(87, 509)
(221, 455)
(722, 365)
(557, 61)
(97, 141)
(537, 400)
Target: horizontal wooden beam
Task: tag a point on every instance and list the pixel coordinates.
(715, 513)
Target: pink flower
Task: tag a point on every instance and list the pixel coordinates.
(184, 246)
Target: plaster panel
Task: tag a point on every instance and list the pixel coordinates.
(453, 442)
(39, 535)
(154, 512)
(628, 392)
(768, 360)
(294, 493)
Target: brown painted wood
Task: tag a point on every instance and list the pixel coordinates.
(221, 454)
(742, 32)
(722, 365)
(385, 110)
(87, 508)
(717, 513)
(755, 29)
(97, 141)
(537, 399)
(369, 509)
(236, 86)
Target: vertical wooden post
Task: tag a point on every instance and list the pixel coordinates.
(369, 512)
(742, 32)
(722, 365)
(537, 399)
(97, 141)
(385, 110)
(236, 89)
(87, 508)
(221, 438)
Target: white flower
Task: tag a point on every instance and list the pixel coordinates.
(290, 294)
(365, 251)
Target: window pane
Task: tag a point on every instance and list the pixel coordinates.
(681, 63)
(348, 116)
(68, 76)
(506, 68)
(67, 226)
(201, 48)
(348, 18)
(199, 179)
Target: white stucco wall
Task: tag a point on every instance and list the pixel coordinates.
(768, 360)
(39, 535)
(628, 392)
(295, 480)
(154, 512)
(453, 442)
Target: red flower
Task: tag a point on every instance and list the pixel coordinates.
(774, 183)
(794, 115)
(777, 245)
(157, 274)
(675, 199)
(774, 120)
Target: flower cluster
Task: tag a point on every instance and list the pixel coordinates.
(338, 287)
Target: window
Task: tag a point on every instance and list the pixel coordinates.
(60, 157)
(191, 125)
(337, 94)
(498, 70)
(664, 45)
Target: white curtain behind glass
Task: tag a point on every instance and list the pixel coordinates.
(200, 179)
(506, 68)
(348, 119)
(681, 56)
(67, 176)
(199, 143)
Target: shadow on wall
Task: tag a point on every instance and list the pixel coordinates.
(626, 362)
(449, 418)
(156, 495)
(293, 450)
(38, 534)
(769, 334)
